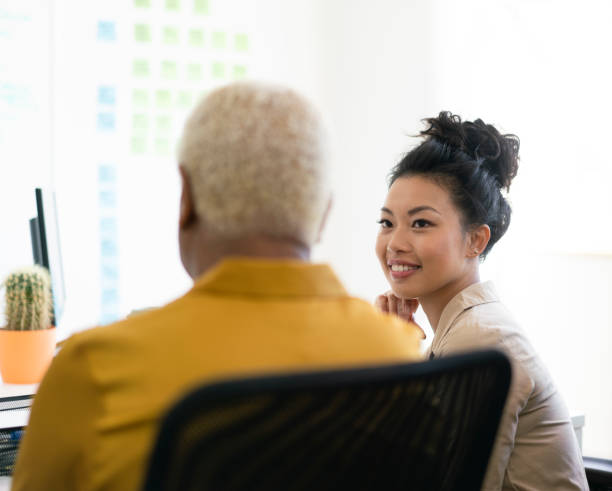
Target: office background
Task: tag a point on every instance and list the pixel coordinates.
(93, 95)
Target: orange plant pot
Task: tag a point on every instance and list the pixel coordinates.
(25, 355)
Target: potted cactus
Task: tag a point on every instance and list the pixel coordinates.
(27, 342)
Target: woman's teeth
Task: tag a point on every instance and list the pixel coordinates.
(402, 267)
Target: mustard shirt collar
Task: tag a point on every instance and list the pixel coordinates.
(264, 277)
(473, 295)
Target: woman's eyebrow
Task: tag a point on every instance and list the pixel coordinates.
(413, 211)
(418, 209)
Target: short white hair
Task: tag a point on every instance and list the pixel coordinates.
(257, 158)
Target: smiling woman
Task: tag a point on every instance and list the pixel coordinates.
(443, 213)
(423, 247)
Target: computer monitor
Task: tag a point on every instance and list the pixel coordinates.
(46, 247)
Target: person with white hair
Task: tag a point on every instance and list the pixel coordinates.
(255, 192)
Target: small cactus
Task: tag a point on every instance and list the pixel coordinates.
(28, 299)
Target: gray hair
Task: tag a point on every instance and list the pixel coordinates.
(258, 162)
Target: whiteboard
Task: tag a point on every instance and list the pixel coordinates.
(93, 97)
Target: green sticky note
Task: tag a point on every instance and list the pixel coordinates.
(140, 98)
(200, 6)
(218, 40)
(218, 69)
(162, 146)
(239, 71)
(196, 37)
(140, 122)
(142, 33)
(164, 124)
(184, 99)
(169, 70)
(163, 98)
(140, 68)
(173, 4)
(139, 145)
(142, 3)
(241, 42)
(194, 71)
(170, 35)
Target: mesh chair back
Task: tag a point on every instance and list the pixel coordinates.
(419, 426)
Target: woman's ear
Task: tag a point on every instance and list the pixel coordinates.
(187, 214)
(479, 238)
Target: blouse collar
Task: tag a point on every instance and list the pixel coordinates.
(473, 295)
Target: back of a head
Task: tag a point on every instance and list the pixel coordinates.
(474, 162)
(256, 155)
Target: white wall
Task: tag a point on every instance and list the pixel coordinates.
(374, 82)
(563, 302)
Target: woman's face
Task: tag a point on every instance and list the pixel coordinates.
(421, 245)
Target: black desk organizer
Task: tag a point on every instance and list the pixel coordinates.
(10, 437)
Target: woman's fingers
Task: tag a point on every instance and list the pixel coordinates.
(412, 304)
(401, 307)
(404, 308)
(393, 303)
(382, 303)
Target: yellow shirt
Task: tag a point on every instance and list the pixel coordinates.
(96, 413)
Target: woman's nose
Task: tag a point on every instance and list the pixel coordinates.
(398, 243)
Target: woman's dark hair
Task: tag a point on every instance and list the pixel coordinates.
(474, 162)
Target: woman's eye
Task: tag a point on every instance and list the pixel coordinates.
(421, 223)
(384, 223)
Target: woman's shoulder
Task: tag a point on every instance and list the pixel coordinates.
(487, 320)
(492, 325)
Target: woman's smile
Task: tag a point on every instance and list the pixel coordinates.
(400, 269)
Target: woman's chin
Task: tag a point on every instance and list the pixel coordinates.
(403, 287)
(403, 292)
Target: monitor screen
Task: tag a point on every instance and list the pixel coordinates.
(46, 247)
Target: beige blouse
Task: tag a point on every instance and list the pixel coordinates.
(536, 448)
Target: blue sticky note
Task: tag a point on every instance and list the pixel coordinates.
(110, 296)
(109, 279)
(109, 265)
(108, 228)
(106, 121)
(108, 247)
(109, 273)
(106, 95)
(106, 31)
(109, 305)
(108, 198)
(107, 174)
(108, 282)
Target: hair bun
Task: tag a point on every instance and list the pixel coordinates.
(497, 153)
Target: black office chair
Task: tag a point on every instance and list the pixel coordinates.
(598, 473)
(419, 426)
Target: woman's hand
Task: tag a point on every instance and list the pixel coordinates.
(404, 308)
